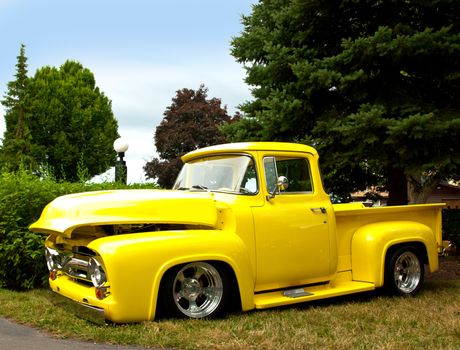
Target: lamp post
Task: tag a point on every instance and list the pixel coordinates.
(121, 170)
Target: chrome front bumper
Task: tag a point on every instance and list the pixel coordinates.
(87, 312)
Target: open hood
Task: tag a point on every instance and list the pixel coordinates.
(66, 213)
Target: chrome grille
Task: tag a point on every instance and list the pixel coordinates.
(74, 264)
(77, 268)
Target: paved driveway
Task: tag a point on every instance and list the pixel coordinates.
(17, 337)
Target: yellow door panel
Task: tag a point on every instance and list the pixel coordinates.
(292, 242)
(292, 229)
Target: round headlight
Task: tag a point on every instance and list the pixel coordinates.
(53, 260)
(97, 273)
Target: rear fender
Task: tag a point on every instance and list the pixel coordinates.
(371, 242)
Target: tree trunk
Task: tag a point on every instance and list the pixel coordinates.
(21, 123)
(397, 187)
(419, 189)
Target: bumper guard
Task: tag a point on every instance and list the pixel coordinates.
(87, 312)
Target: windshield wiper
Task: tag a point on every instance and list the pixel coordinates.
(199, 187)
(194, 187)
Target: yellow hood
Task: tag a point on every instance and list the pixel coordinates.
(66, 213)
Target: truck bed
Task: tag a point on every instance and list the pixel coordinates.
(352, 216)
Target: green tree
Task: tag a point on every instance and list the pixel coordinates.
(71, 122)
(16, 146)
(373, 85)
(57, 121)
(192, 121)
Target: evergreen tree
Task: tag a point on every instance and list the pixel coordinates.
(16, 148)
(373, 85)
(192, 121)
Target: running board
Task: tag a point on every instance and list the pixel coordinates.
(299, 295)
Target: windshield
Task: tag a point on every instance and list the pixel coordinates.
(228, 173)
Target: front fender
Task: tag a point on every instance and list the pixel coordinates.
(371, 242)
(136, 263)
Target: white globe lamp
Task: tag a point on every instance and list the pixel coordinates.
(121, 170)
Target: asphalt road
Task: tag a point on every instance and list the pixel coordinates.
(17, 337)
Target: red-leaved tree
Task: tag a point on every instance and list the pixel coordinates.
(192, 121)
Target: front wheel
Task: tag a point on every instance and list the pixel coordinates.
(404, 271)
(194, 290)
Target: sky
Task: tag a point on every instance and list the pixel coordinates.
(140, 52)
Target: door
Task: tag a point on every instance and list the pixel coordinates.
(292, 231)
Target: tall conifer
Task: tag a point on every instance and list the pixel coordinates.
(16, 146)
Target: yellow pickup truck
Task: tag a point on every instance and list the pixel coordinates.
(246, 225)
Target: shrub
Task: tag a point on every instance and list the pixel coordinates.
(451, 226)
(22, 199)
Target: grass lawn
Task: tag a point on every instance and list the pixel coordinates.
(365, 321)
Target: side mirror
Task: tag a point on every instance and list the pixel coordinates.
(281, 185)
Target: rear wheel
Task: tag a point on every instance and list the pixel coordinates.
(404, 271)
(194, 290)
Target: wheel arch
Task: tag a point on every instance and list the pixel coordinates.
(372, 244)
(241, 283)
(421, 248)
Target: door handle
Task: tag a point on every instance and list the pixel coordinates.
(319, 210)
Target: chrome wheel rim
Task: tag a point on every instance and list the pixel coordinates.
(197, 289)
(407, 272)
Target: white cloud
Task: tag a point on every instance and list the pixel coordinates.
(140, 93)
(137, 85)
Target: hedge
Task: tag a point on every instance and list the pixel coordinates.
(22, 199)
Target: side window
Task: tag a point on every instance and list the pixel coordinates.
(296, 170)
